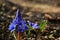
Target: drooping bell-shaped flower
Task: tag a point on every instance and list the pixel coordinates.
(18, 21)
(33, 25)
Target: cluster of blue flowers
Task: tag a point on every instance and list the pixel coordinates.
(21, 25)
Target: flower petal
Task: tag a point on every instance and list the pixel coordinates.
(34, 25)
(30, 23)
(20, 29)
(11, 26)
(19, 15)
(24, 25)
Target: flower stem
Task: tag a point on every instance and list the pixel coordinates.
(19, 36)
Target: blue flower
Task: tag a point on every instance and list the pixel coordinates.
(18, 21)
(34, 25)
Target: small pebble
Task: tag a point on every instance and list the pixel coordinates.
(14, 8)
(51, 36)
(45, 37)
(29, 38)
(29, 14)
(3, 4)
(59, 38)
(33, 38)
(51, 32)
(54, 30)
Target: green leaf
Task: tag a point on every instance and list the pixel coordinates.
(42, 24)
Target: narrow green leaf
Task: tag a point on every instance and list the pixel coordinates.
(29, 29)
(28, 32)
(42, 24)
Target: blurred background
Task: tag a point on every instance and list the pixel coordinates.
(35, 11)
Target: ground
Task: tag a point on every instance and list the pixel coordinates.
(7, 14)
